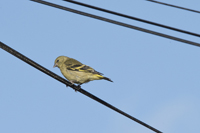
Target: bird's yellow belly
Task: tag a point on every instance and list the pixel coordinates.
(78, 77)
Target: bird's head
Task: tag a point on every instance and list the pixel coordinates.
(59, 61)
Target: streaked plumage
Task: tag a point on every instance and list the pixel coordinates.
(76, 72)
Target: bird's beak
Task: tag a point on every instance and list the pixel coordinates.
(55, 65)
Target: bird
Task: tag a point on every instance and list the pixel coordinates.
(76, 72)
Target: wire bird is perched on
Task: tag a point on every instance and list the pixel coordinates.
(76, 72)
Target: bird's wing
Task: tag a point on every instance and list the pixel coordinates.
(75, 65)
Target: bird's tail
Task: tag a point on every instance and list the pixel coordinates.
(107, 79)
(102, 77)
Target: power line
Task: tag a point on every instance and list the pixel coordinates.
(53, 75)
(174, 6)
(117, 22)
(133, 18)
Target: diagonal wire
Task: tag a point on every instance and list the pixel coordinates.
(133, 18)
(117, 22)
(53, 75)
(158, 2)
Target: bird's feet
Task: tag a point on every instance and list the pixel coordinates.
(70, 82)
(78, 88)
(67, 85)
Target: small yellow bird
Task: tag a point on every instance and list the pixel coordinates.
(76, 72)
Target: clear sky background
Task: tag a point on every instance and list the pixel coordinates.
(155, 79)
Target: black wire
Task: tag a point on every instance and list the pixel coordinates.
(116, 22)
(174, 6)
(53, 75)
(133, 18)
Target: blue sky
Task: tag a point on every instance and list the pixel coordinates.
(155, 79)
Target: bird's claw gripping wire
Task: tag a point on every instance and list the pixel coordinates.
(76, 88)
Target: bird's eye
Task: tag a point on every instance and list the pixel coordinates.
(57, 60)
